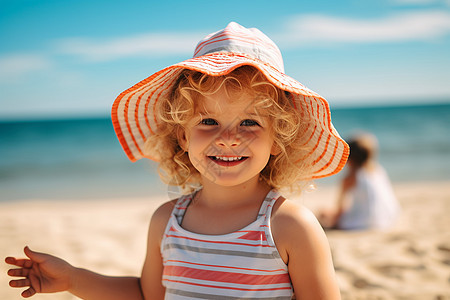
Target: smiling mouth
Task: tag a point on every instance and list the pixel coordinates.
(228, 160)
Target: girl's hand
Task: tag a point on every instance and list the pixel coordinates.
(43, 273)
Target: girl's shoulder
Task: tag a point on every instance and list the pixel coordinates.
(293, 215)
(159, 220)
(303, 246)
(164, 211)
(295, 227)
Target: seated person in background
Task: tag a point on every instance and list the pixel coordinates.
(366, 199)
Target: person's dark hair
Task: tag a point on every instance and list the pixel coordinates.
(363, 148)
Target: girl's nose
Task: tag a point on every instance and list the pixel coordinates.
(229, 137)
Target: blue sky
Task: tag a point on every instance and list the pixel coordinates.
(72, 58)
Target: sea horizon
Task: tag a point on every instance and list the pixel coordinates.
(80, 157)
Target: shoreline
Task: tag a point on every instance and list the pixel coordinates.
(409, 261)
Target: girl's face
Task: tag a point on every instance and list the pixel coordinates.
(229, 143)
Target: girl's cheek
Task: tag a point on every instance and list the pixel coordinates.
(250, 134)
(202, 142)
(205, 136)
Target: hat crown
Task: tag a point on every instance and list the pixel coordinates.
(238, 39)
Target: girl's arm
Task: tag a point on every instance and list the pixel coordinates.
(44, 273)
(303, 245)
(151, 278)
(90, 285)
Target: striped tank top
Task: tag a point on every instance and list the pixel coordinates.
(244, 264)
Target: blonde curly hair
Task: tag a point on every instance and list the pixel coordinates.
(290, 129)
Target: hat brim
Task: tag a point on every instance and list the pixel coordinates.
(134, 118)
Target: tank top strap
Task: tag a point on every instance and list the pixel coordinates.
(181, 205)
(183, 202)
(268, 203)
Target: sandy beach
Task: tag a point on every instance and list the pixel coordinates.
(409, 261)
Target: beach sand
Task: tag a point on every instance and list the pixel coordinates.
(409, 261)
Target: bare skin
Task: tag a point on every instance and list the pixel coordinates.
(44, 273)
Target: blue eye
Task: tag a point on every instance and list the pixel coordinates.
(208, 122)
(249, 122)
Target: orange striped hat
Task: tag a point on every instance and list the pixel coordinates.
(218, 54)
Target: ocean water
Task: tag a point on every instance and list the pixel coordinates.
(74, 159)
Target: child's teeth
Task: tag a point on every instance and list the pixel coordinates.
(228, 158)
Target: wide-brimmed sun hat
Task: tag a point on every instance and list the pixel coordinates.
(133, 112)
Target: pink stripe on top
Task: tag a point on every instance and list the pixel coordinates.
(242, 264)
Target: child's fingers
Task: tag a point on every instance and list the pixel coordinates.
(35, 256)
(20, 283)
(10, 260)
(28, 293)
(19, 272)
(24, 263)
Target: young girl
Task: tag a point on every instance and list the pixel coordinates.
(230, 129)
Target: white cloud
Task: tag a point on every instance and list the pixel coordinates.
(419, 2)
(13, 66)
(413, 26)
(309, 30)
(415, 2)
(139, 45)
